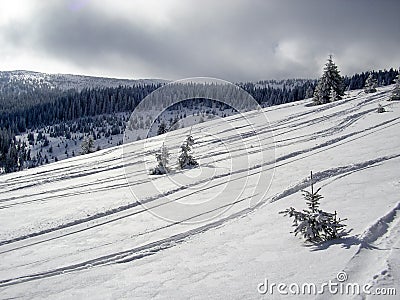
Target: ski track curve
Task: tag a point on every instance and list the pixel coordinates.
(380, 228)
(271, 164)
(154, 247)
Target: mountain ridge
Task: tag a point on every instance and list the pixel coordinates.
(73, 81)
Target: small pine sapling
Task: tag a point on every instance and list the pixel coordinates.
(162, 158)
(87, 145)
(370, 84)
(162, 128)
(186, 159)
(380, 109)
(314, 224)
(332, 95)
(396, 91)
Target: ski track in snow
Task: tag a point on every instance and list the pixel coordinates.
(132, 205)
(373, 233)
(114, 167)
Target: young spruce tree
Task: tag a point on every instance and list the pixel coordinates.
(186, 159)
(162, 128)
(396, 91)
(330, 86)
(370, 84)
(162, 158)
(380, 109)
(314, 224)
(87, 145)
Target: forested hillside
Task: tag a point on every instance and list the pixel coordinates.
(39, 110)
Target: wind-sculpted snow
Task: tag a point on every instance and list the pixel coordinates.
(77, 220)
(375, 268)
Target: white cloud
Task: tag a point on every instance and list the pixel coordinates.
(233, 40)
(14, 10)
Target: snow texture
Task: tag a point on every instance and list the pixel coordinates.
(73, 230)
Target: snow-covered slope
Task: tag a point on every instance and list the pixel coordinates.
(73, 229)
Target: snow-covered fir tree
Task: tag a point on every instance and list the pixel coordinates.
(314, 224)
(16, 157)
(380, 109)
(330, 84)
(87, 145)
(309, 92)
(318, 92)
(332, 95)
(370, 84)
(186, 159)
(162, 158)
(348, 89)
(162, 128)
(396, 91)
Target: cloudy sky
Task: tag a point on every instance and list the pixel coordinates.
(174, 39)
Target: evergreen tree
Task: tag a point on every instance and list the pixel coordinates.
(348, 89)
(312, 198)
(330, 86)
(370, 84)
(314, 224)
(162, 158)
(309, 92)
(185, 159)
(31, 138)
(16, 157)
(87, 145)
(5, 141)
(396, 91)
(380, 109)
(11, 159)
(320, 89)
(332, 95)
(162, 128)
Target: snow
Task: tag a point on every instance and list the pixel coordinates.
(283, 83)
(63, 148)
(70, 81)
(88, 227)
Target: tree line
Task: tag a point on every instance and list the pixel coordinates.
(25, 106)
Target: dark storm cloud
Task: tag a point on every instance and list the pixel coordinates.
(233, 40)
